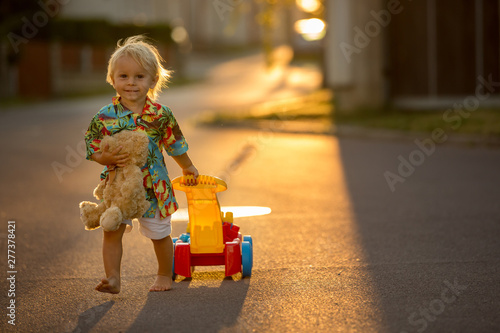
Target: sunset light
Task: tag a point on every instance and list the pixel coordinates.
(311, 29)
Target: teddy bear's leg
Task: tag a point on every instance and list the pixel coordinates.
(111, 219)
(132, 191)
(129, 210)
(141, 203)
(135, 191)
(133, 180)
(142, 207)
(90, 213)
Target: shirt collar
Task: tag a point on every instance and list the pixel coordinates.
(149, 107)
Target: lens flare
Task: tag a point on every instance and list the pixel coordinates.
(311, 29)
(309, 6)
(238, 211)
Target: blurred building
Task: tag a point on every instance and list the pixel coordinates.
(412, 54)
(67, 65)
(420, 53)
(215, 22)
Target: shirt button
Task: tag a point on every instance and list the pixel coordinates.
(151, 167)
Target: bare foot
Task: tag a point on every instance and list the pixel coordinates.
(111, 285)
(162, 283)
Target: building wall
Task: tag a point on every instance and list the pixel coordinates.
(68, 68)
(34, 74)
(354, 54)
(216, 22)
(457, 42)
(123, 11)
(427, 53)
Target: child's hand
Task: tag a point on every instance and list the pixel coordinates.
(106, 157)
(191, 170)
(187, 166)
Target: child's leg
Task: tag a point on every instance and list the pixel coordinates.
(164, 250)
(112, 255)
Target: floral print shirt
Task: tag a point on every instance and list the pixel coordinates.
(159, 123)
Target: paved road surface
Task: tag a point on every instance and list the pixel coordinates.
(340, 251)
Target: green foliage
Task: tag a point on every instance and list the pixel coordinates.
(89, 31)
(12, 12)
(319, 106)
(482, 121)
(103, 32)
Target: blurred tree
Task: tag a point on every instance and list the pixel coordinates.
(269, 18)
(271, 15)
(12, 12)
(13, 16)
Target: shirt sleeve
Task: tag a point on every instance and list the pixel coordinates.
(93, 137)
(173, 140)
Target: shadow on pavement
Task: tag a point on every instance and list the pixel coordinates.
(204, 303)
(431, 245)
(90, 317)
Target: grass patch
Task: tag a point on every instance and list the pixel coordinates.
(315, 106)
(481, 121)
(318, 106)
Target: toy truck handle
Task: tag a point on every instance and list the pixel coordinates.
(182, 183)
(205, 220)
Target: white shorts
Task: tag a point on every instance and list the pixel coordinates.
(152, 228)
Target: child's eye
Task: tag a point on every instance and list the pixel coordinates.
(123, 76)
(140, 76)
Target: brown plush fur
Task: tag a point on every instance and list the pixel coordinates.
(125, 197)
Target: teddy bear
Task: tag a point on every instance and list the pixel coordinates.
(122, 193)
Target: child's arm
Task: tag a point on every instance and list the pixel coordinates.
(106, 157)
(186, 165)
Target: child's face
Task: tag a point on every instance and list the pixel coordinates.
(131, 81)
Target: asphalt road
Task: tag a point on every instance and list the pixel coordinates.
(339, 252)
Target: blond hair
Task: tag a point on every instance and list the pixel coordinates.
(147, 55)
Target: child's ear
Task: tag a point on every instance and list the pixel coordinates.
(155, 81)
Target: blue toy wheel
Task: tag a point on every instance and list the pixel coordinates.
(246, 258)
(248, 238)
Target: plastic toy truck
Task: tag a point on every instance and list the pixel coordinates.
(211, 238)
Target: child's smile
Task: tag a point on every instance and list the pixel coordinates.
(132, 82)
